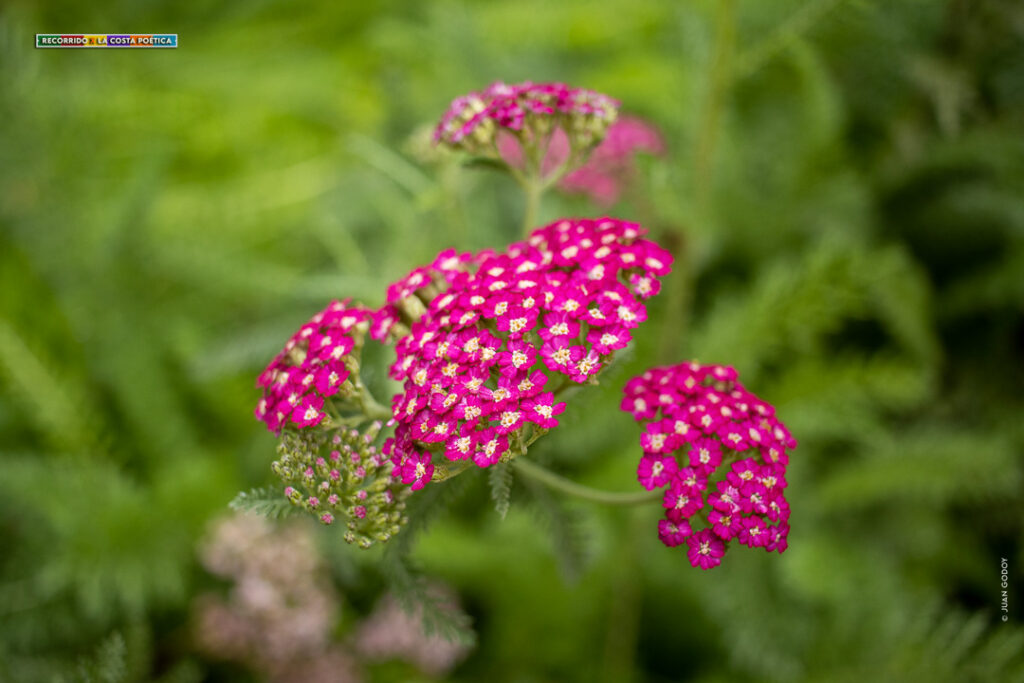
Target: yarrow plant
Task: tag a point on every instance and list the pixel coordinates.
(719, 454)
(488, 343)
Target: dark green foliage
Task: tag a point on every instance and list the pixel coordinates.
(566, 528)
(843, 187)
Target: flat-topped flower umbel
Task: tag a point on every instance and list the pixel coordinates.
(501, 333)
(311, 368)
(720, 454)
(527, 111)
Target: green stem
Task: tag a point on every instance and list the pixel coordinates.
(369, 405)
(545, 476)
(534, 190)
(679, 286)
(678, 301)
(718, 88)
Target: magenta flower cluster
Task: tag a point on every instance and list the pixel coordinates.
(311, 368)
(478, 366)
(486, 342)
(509, 107)
(720, 455)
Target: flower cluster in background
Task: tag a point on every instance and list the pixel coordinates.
(719, 453)
(610, 166)
(528, 111)
(281, 607)
(281, 611)
(502, 333)
(313, 366)
(391, 632)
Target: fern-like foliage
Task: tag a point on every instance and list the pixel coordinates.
(500, 478)
(108, 664)
(437, 614)
(267, 501)
(567, 528)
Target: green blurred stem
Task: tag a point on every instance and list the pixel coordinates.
(369, 405)
(534, 190)
(719, 82)
(718, 87)
(532, 470)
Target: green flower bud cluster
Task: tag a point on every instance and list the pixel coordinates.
(338, 474)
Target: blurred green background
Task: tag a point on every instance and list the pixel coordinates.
(844, 186)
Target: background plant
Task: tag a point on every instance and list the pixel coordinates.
(842, 183)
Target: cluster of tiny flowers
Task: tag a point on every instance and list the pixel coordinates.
(313, 366)
(716, 449)
(280, 612)
(473, 121)
(501, 333)
(343, 474)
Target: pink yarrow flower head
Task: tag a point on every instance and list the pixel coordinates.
(713, 446)
(532, 116)
(496, 334)
(611, 165)
(312, 367)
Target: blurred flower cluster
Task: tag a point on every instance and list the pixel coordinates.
(281, 611)
(281, 607)
(530, 111)
(392, 632)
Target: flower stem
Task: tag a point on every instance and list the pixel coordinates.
(679, 287)
(545, 476)
(369, 405)
(534, 190)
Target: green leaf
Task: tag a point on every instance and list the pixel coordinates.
(569, 537)
(266, 501)
(437, 613)
(500, 478)
(108, 664)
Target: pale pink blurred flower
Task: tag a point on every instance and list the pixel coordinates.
(610, 165)
(281, 609)
(392, 633)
